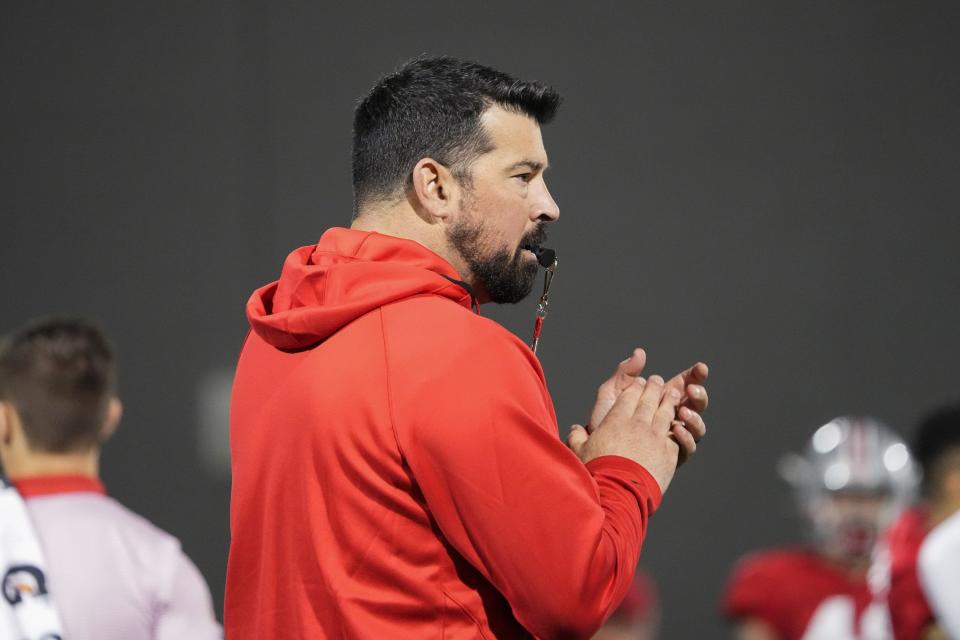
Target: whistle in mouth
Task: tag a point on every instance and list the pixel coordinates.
(546, 257)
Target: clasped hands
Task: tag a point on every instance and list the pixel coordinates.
(654, 422)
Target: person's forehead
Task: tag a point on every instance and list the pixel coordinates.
(515, 136)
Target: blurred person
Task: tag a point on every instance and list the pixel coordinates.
(100, 570)
(922, 597)
(397, 470)
(638, 616)
(853, 479)
(939, 569)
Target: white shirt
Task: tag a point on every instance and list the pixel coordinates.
(939, 569)
(113, 574)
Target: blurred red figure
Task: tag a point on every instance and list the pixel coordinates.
(638, 616)
(923, 600)
(895, 575)
(851, 481)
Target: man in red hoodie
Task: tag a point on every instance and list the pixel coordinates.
(397, 471)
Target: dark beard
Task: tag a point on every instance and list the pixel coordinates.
(507, 278)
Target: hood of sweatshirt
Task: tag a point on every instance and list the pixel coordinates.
(347, 274)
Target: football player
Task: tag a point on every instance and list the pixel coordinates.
(74, 562)
(852, 480)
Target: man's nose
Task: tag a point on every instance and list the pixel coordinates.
(547, 208)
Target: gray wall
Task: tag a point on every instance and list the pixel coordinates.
(769, 188)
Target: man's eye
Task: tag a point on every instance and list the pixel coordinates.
(526, 177)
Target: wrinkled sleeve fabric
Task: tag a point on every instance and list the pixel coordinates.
(559, 539)
(185, 611)
(939, 570)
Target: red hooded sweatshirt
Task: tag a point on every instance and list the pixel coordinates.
(397, 470)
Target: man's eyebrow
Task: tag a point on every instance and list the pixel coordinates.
(534, 165)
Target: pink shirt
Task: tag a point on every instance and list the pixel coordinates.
(114, 575)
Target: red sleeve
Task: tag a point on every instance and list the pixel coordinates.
(560, 540)
(910, 613)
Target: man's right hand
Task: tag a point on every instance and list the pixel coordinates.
(626, 374)
(638, 426)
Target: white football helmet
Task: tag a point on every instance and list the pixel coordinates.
(853, 478)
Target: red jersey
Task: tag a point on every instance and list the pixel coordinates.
(800, 595)
(898, 580)
(397, 470)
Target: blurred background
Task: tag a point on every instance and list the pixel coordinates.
(770, 188)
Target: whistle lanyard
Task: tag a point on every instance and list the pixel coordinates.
(543, 304)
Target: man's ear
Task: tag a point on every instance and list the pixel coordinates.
(114, 413)
(435, 190)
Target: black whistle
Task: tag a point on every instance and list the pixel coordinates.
(546, 257)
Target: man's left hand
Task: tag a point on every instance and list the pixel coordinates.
(690, 427)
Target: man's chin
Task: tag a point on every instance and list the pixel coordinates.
(518, 288)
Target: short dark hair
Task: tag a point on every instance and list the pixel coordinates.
(936, 439)
(431, 107)
(59, 374)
